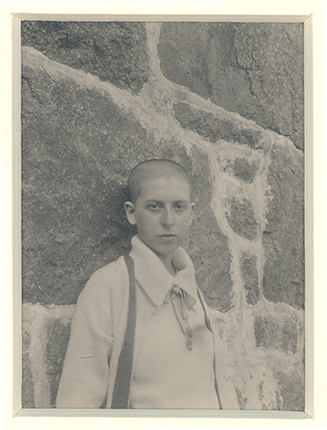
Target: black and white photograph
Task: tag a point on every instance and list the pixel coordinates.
(162, 215)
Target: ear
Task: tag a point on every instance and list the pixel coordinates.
(191, 214)
(130, 212)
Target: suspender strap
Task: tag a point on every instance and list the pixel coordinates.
(206, 318)
(120, 397)
(209, 327)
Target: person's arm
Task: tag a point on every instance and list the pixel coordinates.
(84, 379)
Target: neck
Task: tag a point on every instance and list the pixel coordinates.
(166, 260)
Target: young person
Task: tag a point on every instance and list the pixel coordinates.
(141, 335)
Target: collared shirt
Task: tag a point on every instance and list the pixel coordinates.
(167, 373)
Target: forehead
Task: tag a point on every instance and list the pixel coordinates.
(173, 187)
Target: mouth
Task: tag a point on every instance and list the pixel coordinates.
(167, 235)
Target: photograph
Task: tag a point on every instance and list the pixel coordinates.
(162, 215)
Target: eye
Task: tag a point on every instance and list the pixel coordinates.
(154, 207)
(180, 206)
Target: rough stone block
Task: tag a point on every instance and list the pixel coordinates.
(291, 390)
(27, 374)
(56, 344)
(254, 69)
(213, 128)
(245, 170)
(74, 169)
(239, 162)
(249, 273)
(283, 237)
(280, 334)
(113, 51)
(241, 218)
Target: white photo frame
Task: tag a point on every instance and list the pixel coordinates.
(308, 12)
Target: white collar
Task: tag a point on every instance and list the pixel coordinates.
(154, 278)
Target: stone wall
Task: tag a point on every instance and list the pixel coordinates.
(226, 101)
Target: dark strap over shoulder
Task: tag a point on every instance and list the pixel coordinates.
(209, 327)
(120, 397)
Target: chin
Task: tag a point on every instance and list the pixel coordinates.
(166, 250)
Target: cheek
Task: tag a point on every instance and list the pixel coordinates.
(185, 223)
(145, 223)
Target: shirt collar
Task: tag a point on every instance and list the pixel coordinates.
(154, 278)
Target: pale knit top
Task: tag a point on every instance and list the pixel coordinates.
(167, 373)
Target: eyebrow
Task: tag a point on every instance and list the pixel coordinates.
(159, 201)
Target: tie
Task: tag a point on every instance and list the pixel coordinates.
(187, 303)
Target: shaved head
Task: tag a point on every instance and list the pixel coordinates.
(152, 169)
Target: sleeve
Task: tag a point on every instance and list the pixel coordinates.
(85, 373)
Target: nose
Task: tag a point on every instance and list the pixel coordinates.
(167, 218)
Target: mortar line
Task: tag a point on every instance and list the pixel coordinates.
(38, 362)
(265, 161)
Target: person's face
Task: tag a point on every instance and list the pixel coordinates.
(162, 213)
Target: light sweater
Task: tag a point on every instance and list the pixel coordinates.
(165, 373)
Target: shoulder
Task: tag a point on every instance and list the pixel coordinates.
(108, 279)
(113, 269)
